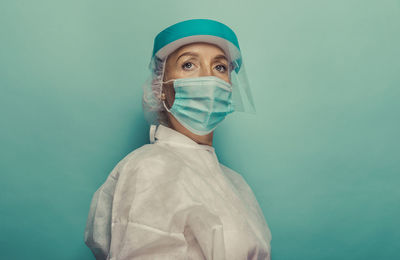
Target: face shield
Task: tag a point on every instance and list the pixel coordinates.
(194, 31)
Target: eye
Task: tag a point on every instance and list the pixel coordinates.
(187, 65)
(221, 68)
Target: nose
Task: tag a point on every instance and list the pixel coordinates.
(206, 70)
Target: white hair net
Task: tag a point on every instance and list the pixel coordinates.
(152, 88)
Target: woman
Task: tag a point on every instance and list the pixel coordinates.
(172, 199)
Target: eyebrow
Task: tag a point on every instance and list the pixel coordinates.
(221, 57)
(188, 53)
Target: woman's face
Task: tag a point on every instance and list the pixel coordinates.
(195, 60)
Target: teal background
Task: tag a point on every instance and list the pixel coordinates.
(321, 154)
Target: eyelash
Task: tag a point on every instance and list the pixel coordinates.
(222, 66)
(184, 66)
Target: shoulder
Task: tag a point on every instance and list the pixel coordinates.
(238, 182)
(233, 176)
(147, 154)
(150, 159)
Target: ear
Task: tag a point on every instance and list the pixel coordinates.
(168, 94)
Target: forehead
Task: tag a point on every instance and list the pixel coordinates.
(202, 48)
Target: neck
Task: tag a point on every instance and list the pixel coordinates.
(200, 139)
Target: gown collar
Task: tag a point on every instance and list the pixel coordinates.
(164, 134)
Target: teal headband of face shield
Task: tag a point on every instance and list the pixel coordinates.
(189, 31)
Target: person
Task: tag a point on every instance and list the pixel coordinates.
(172, 198)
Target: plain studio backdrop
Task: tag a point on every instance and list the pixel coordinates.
(321, 154)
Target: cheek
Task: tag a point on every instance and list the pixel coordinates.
(180, 73)
(174, 72)
(225, 77)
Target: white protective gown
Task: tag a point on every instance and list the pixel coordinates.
(172, 199)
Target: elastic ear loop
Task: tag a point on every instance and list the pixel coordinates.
(165, 106)
(163, 82)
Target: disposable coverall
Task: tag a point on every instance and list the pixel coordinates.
(172, 199)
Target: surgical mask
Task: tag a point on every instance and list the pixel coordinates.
(201, 103)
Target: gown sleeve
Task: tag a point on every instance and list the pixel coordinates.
(156, 216)
(98, 224)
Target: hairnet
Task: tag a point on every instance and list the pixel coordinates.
(152, 88)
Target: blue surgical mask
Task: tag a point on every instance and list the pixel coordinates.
(201, 103)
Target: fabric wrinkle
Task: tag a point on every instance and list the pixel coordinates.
(172, 199)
